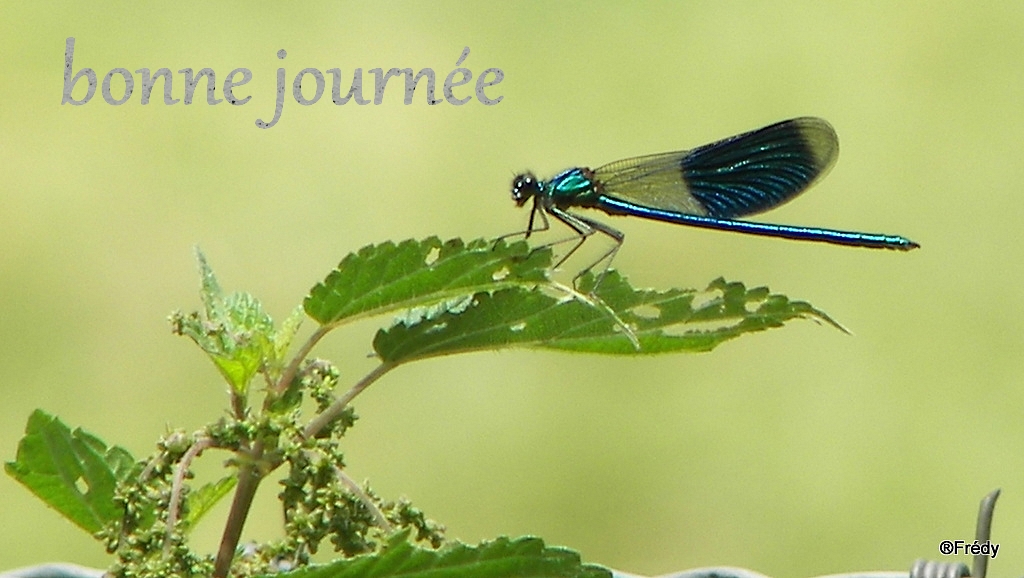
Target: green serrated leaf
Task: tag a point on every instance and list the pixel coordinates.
(504, 557)
(662, 321)
(283, 337)
(209, 289)
(235, 331)
(75, 473)
(205, 498)
(388, 277)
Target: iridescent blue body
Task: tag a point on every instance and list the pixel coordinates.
(709, 187)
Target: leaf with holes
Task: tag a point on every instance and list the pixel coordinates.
(74, 472)
(661, 321)
(389, 277)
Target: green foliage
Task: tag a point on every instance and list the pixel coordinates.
(388, 277)
(449, 297)
(501, 297)
(498, 559)
(235, 332)
(206, 497)
(74, 472)
(661, 321)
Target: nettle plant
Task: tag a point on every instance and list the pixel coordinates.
(286, 419)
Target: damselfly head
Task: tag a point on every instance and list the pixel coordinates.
(524, 186)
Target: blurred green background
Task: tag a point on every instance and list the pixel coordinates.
(796, 452)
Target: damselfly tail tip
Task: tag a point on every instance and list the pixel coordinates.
(894, 243)
(908, 245)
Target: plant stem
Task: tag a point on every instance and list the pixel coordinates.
(249, 477)
(329, 414)
(181, 470)
(300, 356)
(250, 473)
(237, 405)
(351, 484)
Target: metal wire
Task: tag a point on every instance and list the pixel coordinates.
(983, 532)
(932, 569)
(921, 569)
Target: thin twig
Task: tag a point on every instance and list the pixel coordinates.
(378, 516)
(180, 471)
(266, 377)
(329, 414)
(148, 470)
(143, 478)
(300, 356)
(237, 404)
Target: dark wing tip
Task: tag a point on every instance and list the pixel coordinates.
(819, 138)
(761, 169)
